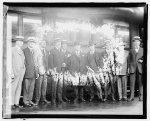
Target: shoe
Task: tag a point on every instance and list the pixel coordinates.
(18, 106)
(46, 101)
(105, 100)
(75, 101)
(120, 99)
(82, 100)
(27, 105)
(91, 99)
(37, 103)
(113, 99)
(131, 99)
(124, 99)
(33, 104)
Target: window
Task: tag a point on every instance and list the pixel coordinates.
(32, 27)
(14, 22)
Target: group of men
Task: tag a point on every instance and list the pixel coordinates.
(34, 65)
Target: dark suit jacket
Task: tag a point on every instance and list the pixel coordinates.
(77, 64)
(94, 61)
(55, 60)
(133, 60)
(29, 63)
(64, 55)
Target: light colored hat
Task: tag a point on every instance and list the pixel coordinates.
(136, 38)
(32, 39)
(18, 38)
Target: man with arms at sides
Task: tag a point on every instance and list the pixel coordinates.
(135, 62)
(42, 65)
(55, 64)
(64, 55)
(30, 73)
(94, 59)
(121, 71)
(18, 71)
(76, 66)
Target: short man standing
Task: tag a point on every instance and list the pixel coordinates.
(135, 62)
(18, 69)
(30, 73)
(42, 65)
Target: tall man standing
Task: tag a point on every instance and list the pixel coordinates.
(41, 83)
(135, 67)
(76, 65)
(18, 68)
(121, 72)
(94, 62)
(55, 64)
(64, 55)
(30, 73)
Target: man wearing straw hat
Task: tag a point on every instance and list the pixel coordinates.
(135, 67)
(18, 69)
(30, 73)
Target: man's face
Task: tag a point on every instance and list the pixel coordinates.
(31, 44)
(58, 45)
(78, 48)
(64, 46)
(92, 48)
(136, 44)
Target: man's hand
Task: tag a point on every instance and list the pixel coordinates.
(140, 61)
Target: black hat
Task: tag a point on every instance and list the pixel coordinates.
(18, 38)
(136, 38)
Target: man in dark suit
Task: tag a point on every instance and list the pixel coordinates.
(76, 65)
(55, 64)
(30, 73)
(135, 62)
(42, 65)
(94, 61)
(64, 55)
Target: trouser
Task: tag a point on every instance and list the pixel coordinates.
(60, 90)
(54, 89)
(109, 85)
(16, 87)
(28, 89)
(78, 92)
(41, 87)
(132, 84)
(64, 93)
(122, 86)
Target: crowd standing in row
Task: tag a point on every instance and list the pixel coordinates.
(32, 66)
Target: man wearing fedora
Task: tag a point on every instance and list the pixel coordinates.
(18, 71)
(121, 71)
(55, 64)
(135, 62)
(30, 73)
(93, 61)
(76, 66)
(42, 65)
